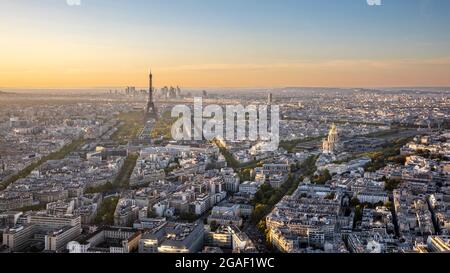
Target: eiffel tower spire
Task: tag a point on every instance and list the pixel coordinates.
(150, 111)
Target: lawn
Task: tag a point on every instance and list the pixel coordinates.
(105, 214)
(163, 126)
(132, 124)
(60, 154)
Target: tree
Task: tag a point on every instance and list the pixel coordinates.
(354, 202)
(189, 217)
(245, 175)
(262, 227)
(388, 205)
(392, 184)
(259, 212)
(151, 214)
(214, 226)
(322, 178)
(330, 196)
(358, 215)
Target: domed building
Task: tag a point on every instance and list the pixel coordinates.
(331, 144)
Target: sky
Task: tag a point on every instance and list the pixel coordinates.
(224, 43)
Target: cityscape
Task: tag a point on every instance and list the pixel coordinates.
(358, 168)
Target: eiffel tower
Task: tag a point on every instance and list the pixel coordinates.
(150, 110)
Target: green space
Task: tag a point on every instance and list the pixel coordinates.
(122, 180)
(105, 214)
(188, 217)
(266, 199)
(33, 208)
(359, 207)
(132, 124)
(384, 133)
(444, 125)
(321, 178)
(60, 154)
(245, 175)
(289, 145)
(163, 126)
(170, 169)
(358, 122)
(245, 170)
(172, 166)
(107, 187)
(308, 167)
(330, 196)
(392, 184)
(393, 133)
(231, 161)
(390, 153)
(251, 164)
(429, 155)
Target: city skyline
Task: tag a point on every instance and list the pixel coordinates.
(225, 44)
(226, 133)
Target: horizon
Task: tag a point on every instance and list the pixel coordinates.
(225, 44)
(218, 89)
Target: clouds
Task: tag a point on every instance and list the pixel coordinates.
(374, 2)
(73, 2)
